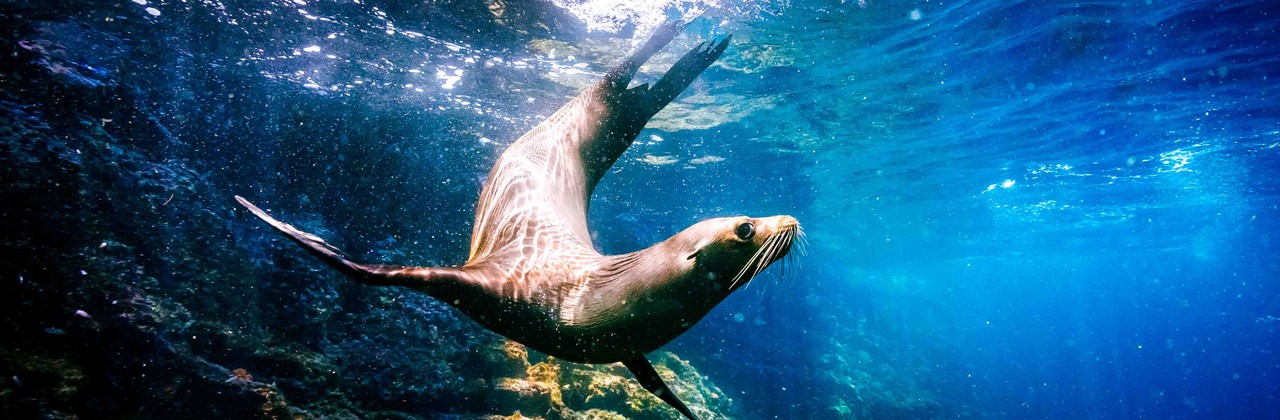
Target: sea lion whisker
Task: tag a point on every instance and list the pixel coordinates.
(779, 279)
(786, 267)
(787, 260)
(761, 261)
(743, 271)
(802, 241)
(792, 259)
(802, 246)
(774, 245)
(749, 263)
(794, 264)
(778, 244)
(764, 256)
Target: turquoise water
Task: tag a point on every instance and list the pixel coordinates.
(1014, 209)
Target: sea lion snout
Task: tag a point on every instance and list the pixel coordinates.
(774, 226)
(781, 223)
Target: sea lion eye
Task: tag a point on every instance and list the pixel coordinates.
(745, 231)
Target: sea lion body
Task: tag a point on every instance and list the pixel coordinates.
(590, 308)
(532, 274)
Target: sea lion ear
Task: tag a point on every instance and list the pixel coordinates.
(698, 247)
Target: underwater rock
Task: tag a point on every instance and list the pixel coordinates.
(508, 359)
(863, 382)
(611, 388)
(556, 389)
(539, 392)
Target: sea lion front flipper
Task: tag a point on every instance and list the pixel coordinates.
(649, 379)
(420, 278)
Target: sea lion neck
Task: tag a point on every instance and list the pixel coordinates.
(664, 277)
(659, 263)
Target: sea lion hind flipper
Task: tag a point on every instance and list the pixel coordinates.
(684, 71)
(620, 76)
(649, 379)
(641, 102)
(377, 275)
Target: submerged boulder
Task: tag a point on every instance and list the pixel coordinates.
(565, 390)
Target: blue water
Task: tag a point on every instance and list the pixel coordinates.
(1060, 210)
(1024, 209)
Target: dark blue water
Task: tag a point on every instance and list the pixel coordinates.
(1015, 209)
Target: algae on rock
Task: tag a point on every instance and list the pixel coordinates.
(566, 390)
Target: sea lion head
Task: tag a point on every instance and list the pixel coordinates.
(725, 253)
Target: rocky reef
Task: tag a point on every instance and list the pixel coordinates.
(556, 389)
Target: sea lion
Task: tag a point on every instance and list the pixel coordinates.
(533, 275)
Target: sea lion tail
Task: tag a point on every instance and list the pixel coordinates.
(413, 277)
